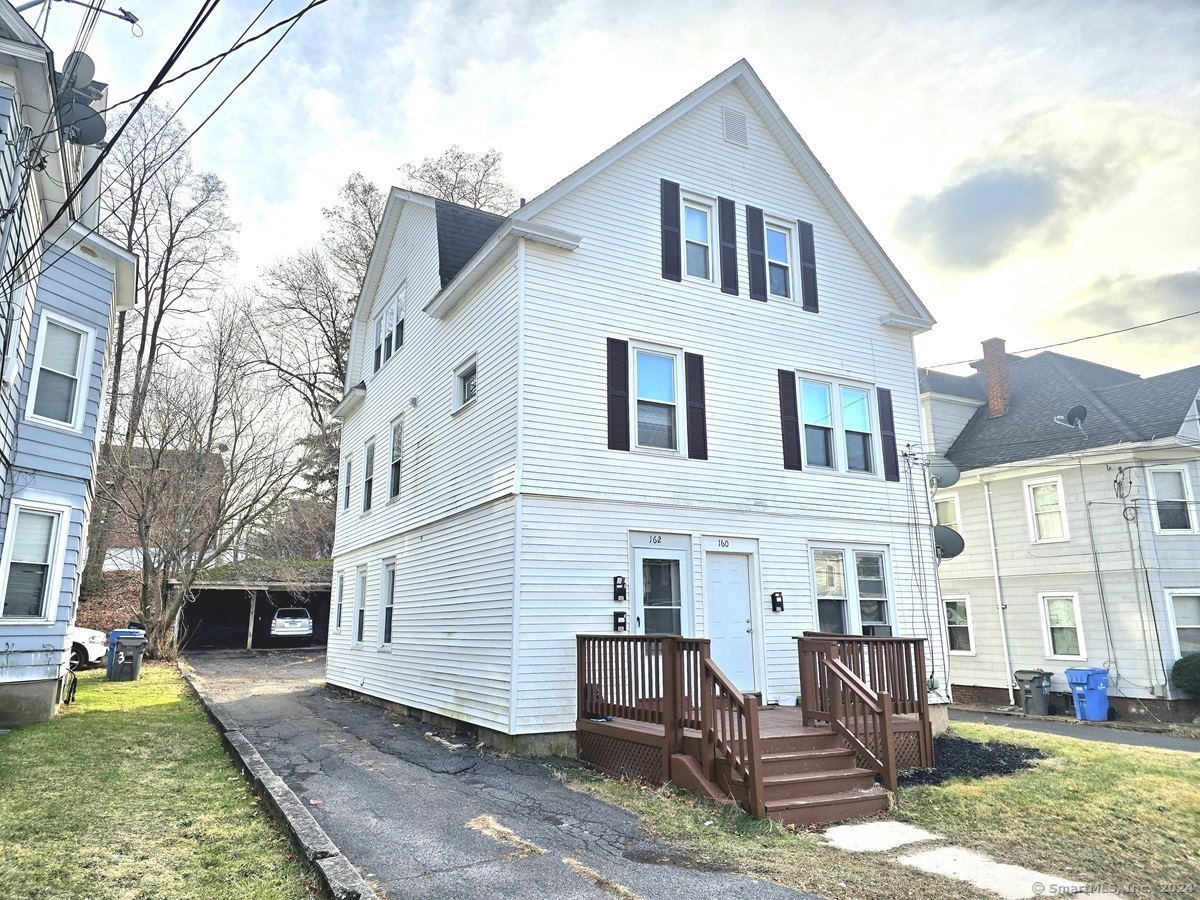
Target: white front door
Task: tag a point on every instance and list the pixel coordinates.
(661, 601)
(730, 620)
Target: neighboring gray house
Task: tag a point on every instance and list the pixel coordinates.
(1095, 529)
(61, 292)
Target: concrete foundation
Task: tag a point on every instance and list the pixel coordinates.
(1127, 709)
(557, 743)
(28, 702)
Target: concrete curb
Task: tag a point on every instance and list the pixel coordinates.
(339, 879)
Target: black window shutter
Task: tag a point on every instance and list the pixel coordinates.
(727, 223)
(789, 419)
(697, 419)
(672, 251)
(808, 268)
(757, 250)
(618, 394)
(887, 436)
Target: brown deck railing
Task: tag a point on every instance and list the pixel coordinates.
(895, 666)
(730, 731)
(863, 717)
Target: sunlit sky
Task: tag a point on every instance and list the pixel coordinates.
(1032, 168)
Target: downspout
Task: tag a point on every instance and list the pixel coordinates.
(987, 499)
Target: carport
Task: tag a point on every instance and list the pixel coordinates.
(232, 614)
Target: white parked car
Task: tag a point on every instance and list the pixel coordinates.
(87, 646)
(292, 622)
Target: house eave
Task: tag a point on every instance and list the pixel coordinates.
(108, 255)
(353, 399)
(496, 248)
(915, 324)
(1109, 452)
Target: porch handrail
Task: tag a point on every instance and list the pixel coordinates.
(863, 718)
(730, 731)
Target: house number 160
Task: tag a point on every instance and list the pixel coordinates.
(721, 542)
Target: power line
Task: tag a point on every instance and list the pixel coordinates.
(1090, 337)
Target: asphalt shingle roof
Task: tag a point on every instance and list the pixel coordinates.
(1121, 408)
(461, 231)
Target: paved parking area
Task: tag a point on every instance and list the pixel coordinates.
(420, 820)
(1082, 730)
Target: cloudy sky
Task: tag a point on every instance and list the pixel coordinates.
(1032, 168)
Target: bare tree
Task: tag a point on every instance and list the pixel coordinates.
(210, 457)
(462, 177)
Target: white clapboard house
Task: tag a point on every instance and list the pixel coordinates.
(664, 397)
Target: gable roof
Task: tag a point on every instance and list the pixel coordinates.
(916, 317)
(461, 231)
(1122, 408)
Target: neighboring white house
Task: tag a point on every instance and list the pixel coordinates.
(1096, 528)
(61, 293)
(666, 395)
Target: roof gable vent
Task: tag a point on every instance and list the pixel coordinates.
(735, 126)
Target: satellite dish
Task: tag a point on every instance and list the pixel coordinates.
(81, 124)
(1076, 415)
(942, 472)
(79, 70)
(949, 542)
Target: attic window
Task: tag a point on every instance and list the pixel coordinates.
(735, 127)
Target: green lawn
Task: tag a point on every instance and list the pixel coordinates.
(128, 794)
(1089, 812)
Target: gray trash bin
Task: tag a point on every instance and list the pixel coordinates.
(1035, 691)
(127, 657)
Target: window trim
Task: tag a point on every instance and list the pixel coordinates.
(339, 602)
(395, 463)
(789, 232)
(1043, 596)
(1027, 487)
(680, 404)
(467, 366)
(87, 347)
(387, 601)
(951, 498)
(854, 622)
(966, 600)
(368, 476)
(1189, 505)
(359, 632)
(1170, 595)
(840, 466)
(62, 513)
(709, 206)
(348, 475)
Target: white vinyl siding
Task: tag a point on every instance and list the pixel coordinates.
(59, 383)
(1171, 500)
(1062, 628)
(1047, 517)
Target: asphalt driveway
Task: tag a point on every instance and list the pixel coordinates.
(421, 820)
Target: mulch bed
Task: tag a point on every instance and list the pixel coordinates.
(959, 756)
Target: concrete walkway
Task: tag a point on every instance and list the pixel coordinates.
(421, 820)
(1085, 732)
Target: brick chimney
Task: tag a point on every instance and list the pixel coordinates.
(995, 374)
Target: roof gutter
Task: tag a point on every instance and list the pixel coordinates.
(352, 401)
(497, 246)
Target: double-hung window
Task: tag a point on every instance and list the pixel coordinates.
(946, 510)
(394, 469)
(697, 239)
(360, 606)
(1185, 613)
(368, 474)
(839, 431)
(466, 383)
(852, 590)
(656, 375)
(779, 261)
(1171, 500)
(387, 600)
(959, 633)
(57, 391)
(349, 469)
(341, 597)
(1061, 626)
(1047, 518)
(30, 561)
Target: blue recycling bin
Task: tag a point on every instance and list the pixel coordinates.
(112, 646)
(1089, 689)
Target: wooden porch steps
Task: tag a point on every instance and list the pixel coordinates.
(827, 808)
